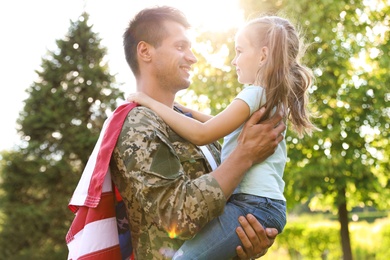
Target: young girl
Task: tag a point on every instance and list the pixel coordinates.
(268, 50)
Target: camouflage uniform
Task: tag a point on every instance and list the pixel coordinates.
(162, 180)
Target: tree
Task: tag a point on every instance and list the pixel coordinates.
(348, 160)
(346, 164)
(214, 80)
(59, 125)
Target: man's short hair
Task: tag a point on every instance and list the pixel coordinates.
(147, 26)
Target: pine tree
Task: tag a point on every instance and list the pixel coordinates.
(59, 124)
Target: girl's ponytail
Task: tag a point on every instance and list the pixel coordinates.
(285, 80)
(298, 100)
(276, 71)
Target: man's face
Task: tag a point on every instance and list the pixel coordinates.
(173, 58)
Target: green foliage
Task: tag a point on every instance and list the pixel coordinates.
(383, 251)
(315, 237)
(346, 155)
(214, 79)
(59, 124)
(254, 8)
(346, 164)
(310, 242)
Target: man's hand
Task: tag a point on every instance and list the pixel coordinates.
(254, 238)
(258, 141)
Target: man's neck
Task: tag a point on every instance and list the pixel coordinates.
(159, 94)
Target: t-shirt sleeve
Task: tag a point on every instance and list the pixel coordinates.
(254, 96)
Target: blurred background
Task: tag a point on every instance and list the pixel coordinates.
(63, 72)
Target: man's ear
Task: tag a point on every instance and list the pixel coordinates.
(144, 51)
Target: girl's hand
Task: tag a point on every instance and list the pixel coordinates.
(140, 98)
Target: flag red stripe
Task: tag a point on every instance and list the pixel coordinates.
(87, 215)
(93, 233)
(107, 146)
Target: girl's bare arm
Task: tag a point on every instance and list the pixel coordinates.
(202, 117)
(197, 132)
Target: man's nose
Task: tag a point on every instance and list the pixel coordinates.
(191, 57)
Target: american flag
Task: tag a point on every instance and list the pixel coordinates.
(100, 228)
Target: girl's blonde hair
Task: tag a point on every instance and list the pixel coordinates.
(285, 80)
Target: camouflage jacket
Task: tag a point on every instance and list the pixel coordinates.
(162, 180)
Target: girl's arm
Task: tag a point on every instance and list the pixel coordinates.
(195, 114)
(196, 132)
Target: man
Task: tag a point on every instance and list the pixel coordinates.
(167, 184)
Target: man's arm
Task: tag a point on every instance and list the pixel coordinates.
(255, 143)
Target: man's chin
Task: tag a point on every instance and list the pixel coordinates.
(185, 84)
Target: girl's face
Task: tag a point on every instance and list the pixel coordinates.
(247, 60)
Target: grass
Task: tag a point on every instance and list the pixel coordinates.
(365, 236)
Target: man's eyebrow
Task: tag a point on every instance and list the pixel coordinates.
(183, 42)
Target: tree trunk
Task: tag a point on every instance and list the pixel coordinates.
(344, 231)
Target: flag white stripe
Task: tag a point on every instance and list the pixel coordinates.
(85, 241)
(81, 192)
(98, 239)
(101, 228)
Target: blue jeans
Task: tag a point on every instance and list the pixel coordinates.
(218, 239)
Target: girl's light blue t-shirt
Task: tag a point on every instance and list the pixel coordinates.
(264, 179)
